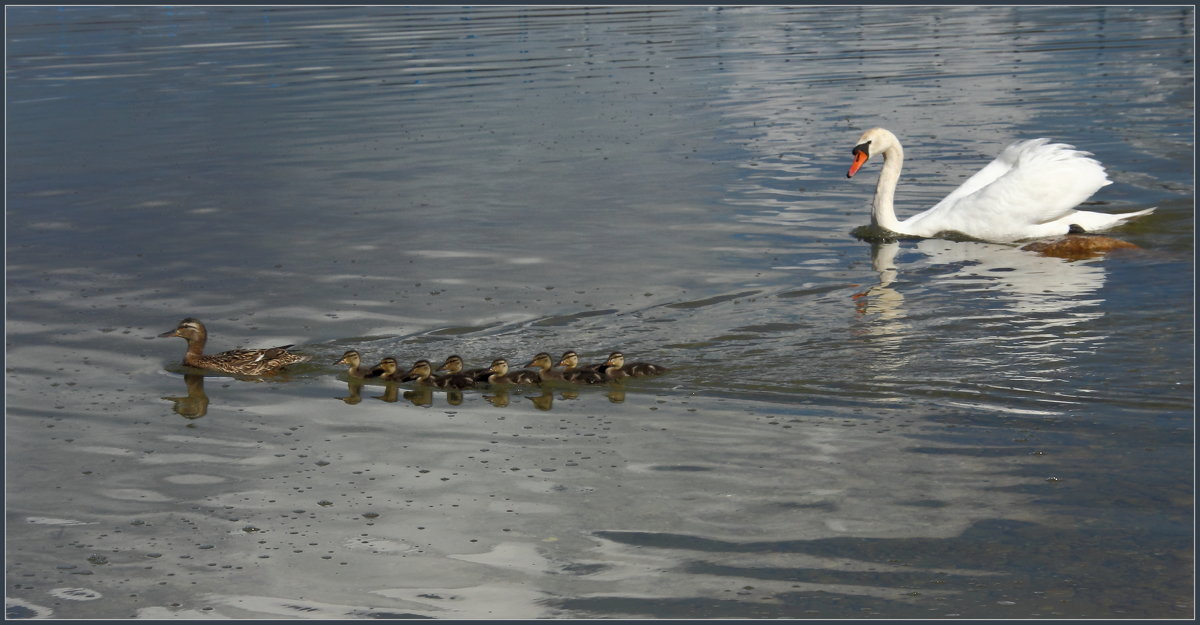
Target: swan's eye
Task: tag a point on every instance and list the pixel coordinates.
(865, 148)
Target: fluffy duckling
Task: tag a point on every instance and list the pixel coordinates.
(422, 371)
(545, 366)
(357, 370)
(573, 372)
(390, 371)
(500, 374)
(237, 361)
(454, 364)
(615, 367)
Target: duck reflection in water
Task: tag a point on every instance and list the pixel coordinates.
(543, 402)
(195, 404)
(499, 397)
(354, 388)
(420, 396)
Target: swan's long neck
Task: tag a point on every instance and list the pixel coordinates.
(883, 214)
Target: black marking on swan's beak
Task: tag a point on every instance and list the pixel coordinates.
(861, 153)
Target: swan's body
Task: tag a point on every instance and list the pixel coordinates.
(1030, 191)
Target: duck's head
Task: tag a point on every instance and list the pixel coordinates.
(190, 329)
(873, 141)
(351, 358)
(569, 359)
(541, 361)
(499, 366)
(421, 369)
(389, 365)
(615, 359)
(453, 364)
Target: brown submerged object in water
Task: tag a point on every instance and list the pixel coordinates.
(237, 361)
(1076, 246)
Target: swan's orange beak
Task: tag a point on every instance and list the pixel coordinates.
(860, 157)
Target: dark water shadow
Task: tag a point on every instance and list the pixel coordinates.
(995, 569)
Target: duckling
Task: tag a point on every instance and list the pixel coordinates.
(422, 371)
(525, 376)
(237, 361)
(357, 370)
(545, 367)
(615, 367)
(499, 372)
(611, 369)
(454, 364)
(390, 371)
(572, 372)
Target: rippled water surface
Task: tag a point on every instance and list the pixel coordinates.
(913, 429)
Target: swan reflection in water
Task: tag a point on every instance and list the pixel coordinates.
(1026, 282)
(1016, 298)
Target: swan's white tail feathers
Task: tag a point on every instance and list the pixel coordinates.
(1092, 221)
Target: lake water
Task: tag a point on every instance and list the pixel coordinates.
(921, 429)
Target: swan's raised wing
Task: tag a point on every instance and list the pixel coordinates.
(993, 171)
(1029, 184)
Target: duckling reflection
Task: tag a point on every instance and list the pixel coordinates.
(616, 395)
(391, 394)
(195, 404)
(420, 396)
(354, 388)
(499, 397)
(454, 397)
(543, 402)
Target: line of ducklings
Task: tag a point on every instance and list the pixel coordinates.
(272, 360)
(540, 369)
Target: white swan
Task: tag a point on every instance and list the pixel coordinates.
(1030, 191)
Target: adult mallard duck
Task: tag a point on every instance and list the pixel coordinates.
(573, 372)
(422, 371)
(237, 361)
(545, 366)
(357, 370)
(615, 367)
(454, 364)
